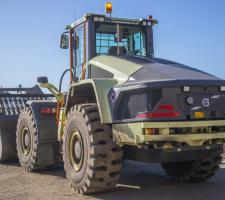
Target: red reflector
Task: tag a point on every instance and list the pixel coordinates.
(153, 115)
(143, 115)
(166, 107)
(169, 114)
(47, 111)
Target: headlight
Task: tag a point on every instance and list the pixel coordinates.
(112, 96)
(190, 100)
(186, 89)
(222, 88)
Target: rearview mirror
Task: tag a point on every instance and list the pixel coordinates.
(64, 41)
(42, 79)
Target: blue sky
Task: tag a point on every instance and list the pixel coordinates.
(189, 31)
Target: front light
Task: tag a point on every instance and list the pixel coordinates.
(190, 100)
(199, 115)
(222, 88)
(186, 89)
(112, 96)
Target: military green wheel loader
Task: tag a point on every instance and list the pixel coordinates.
(123, 103)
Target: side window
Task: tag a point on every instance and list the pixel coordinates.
(79, 50)
(139, 44)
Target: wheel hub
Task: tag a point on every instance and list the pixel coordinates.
(76, 152)
(25, 141)
(77, 149)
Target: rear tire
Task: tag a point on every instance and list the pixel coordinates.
(194, 171)
(92, 160)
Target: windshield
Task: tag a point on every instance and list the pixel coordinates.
(120, 39)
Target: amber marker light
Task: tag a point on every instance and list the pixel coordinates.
(108, 7)
(199, 115)
(151, 131)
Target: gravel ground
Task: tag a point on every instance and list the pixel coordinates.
(138, 181)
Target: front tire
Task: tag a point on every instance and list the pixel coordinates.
(27, 141)
(194, 171)
(92, 160)
(7, 144)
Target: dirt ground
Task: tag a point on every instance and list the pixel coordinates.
(138, 181)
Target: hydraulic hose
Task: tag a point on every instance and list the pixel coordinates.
(61, 79)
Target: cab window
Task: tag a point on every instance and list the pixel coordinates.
(120, 39)
(79, 34)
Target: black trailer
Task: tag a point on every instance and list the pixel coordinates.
(12, 102)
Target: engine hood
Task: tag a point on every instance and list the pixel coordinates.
(120, 67)
(134, 69)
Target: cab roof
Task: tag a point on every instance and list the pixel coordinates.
(104, 18)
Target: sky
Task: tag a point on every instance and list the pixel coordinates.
(191, 32)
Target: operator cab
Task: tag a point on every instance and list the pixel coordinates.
(94, 35)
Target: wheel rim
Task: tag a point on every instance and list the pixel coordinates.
(25, 141)
(76, 150)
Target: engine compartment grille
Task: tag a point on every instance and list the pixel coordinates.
(134, 102)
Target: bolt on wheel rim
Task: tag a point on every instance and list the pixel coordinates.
(76, 152)
(25, 141)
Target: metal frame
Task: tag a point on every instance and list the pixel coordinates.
(134, 133)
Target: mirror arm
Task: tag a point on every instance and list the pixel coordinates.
(56, 93)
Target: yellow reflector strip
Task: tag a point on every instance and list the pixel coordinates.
(199, 115)
(151, 131)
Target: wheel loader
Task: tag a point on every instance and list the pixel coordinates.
(123, 103)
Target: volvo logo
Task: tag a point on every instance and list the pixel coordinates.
(205, 102)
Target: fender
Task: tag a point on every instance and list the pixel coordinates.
(100, 88)
(46, 123)
(48, 144)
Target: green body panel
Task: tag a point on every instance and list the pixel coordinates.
(121, 68)
(101, 88)
(134, 133)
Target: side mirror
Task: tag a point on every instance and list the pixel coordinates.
(42, 79)
(64, 41)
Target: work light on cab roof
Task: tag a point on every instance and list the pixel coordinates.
(108, 7)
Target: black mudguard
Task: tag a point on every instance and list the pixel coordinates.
(48, 144)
